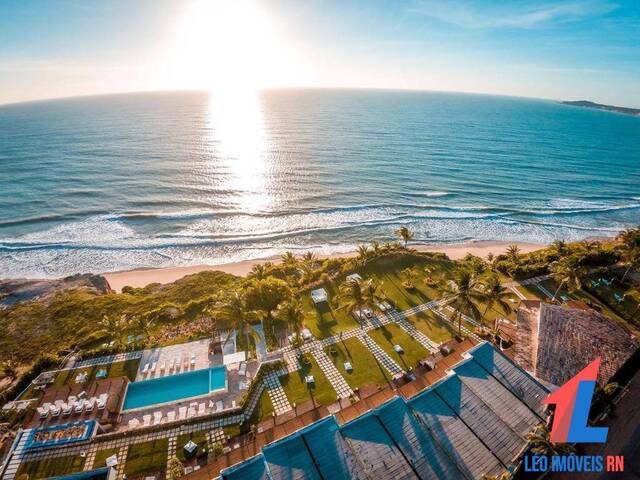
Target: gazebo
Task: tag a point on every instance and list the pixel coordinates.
(354, 277)
(319, 296)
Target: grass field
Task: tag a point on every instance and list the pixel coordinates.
(390, 335)
(146, 457)
(51, 467)
(325, 320)
(102, 455)
(199, 438)
(433, 327)
(366, 369)
(299, 392)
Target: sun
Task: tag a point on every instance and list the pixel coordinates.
(226, 46)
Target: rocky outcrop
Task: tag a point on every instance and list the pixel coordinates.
(20, 290)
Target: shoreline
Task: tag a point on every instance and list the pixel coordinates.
(141, 277)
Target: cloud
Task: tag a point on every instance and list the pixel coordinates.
(523, 15)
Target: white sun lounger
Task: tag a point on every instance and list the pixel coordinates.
(44, 412)
(163, 366)
(90, 404)
(171, 416)
(233, 404)
(202, 408)
(182, 413)
(219, 405)
(191, 412)
(66, 409)
(102, 401)
(171, 364)
(80, 406)
(146, 420)
(134, 423)
(243, 369)
(157, 417)
(193, 359)
(145, 369)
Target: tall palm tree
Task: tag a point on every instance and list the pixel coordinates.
(289, 260)
(259, 272)
(630, 237)
(405, 234)
(372, 293)
(351, 296)
(9, 370)
(560, 246)
(364, 254)
(235, 314)
(491, 258)
(541, 444)
(376, 248)
(141, 324)
(113, 326)
(292, 314)
(496, 295)
(462, 294)
(567, 273)
(632, 258)
(513, 253)
(309, 258)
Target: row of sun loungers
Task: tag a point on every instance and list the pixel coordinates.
(194, 409)
(73, 404)
(175, 364)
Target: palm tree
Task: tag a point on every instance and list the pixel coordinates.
(364, 254)
(376, 248)
(566, 272)
(496, 295)
(9, 370)
(372, 293)
(289, 262)
(513, 253)
(603, 398)
(309, 258)
(632, 258)
(462, 294)
(351, 296)
(405, 234)
(410, 274)
(541, 444)
(142, 324)
(560, 246)
(630, 237)
(491, 258)
(113, 327)
(259, 272)
(237, 315)
(292, 314)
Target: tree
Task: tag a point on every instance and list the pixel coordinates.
(630, 238)
(632, 258)
(235, 314)
(566, 272)
(372, 293)
(259, 272)
(603, 398)
(541, 444)
(410, 275)
(292, 314)
(113, 327)
(364, 254)
(376, 248)
(290, 262)
(141, 324)
(462, 293)
(175, 469)
(496, 295)
(9, 370)
(560, 246)
(405, 234)
(310, 259)
(513, 253)
(265, 295)
(491, 258)
(351, 295)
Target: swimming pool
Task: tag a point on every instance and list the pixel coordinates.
(175, 387)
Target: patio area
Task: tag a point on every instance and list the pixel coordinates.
(173, 359)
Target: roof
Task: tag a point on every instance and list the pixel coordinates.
(554, 342)
(319, 295)
(472, 422)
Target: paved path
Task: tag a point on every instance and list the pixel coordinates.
(528, 281)
(120, 357)
(16, 456)
(276, 393)
(414, 333)
(385, 360)
(122, 460)
(91, 457)
(330, 371)
(171, 449)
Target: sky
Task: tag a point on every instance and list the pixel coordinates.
(564, 49)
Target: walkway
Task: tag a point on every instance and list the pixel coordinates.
(413, 332)
(276, 393)
(16, 456)
(385, 360)
(120, 357)
(330, 371)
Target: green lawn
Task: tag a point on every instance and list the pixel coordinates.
(325, 320)
(433, 326)
(390, 335)
(388, 271)
(51, 467)
(628, 308)
(199, 438)
(299, 392)
(128, 369)
(263, 410)
(366, 369)
(102, 455)
(146, 457)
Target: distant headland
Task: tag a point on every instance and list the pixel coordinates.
(600, 106)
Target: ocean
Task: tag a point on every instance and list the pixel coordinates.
(116, 182)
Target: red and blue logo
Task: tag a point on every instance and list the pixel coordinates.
(573, 402)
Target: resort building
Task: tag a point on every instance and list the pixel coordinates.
(471, 421)
(555, 342)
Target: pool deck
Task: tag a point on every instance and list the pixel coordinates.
(154, 358)
(233, 393)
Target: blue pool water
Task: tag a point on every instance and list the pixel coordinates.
(174, 387)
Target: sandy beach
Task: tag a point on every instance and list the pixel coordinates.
(142, 277)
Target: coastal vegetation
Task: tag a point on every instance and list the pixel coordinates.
(38, 334)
